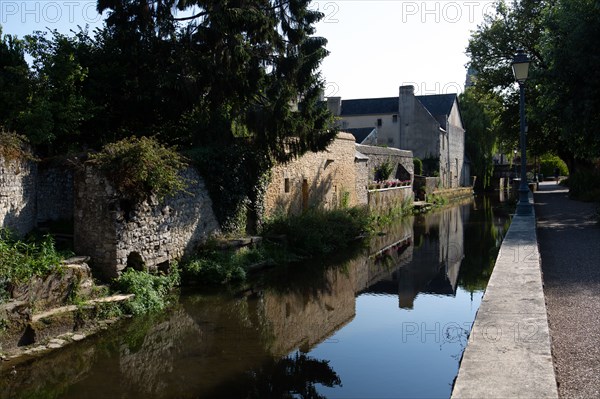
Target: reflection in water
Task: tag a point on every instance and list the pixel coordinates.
(300, 332)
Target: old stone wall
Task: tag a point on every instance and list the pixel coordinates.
(401, 160)
(325, 179)
(390, 198)
(117, 233)
(55, 192)
(18, 195)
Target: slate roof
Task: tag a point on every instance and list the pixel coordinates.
(359, 133)
(368, 106)
(436, 104)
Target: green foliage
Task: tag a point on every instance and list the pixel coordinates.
(151, 291)
(549, 162)
(141, 167)
(21, 260)
(418, 166)
(383, 170)
(584, 185)
(14, 80)
(559, 36)
(57, 106)
(216, 267)
(479, 111)
(317, 232)
(236, 178)
(13, 146)
(431, 166)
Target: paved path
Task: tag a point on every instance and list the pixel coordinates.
(569, 244)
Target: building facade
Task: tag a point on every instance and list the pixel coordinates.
(430, 126)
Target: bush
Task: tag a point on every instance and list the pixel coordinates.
(21, 260)
(13, 146)
(584, 185)
(318, 232)
(549, 162)
(151, 292)
(383, 171)
(418, 165)
(140, 167)
(214, 267)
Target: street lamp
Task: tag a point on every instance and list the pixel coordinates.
(520, 67)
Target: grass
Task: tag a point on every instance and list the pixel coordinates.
(151, 292)
(20, 260)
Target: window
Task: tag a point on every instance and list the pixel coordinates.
(286, 184)
(395, 118)
(379, 122)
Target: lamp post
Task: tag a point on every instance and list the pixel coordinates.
(520, 67)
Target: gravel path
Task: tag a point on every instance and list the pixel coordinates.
(569, 242)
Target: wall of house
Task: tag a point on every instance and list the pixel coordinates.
(419, 132)
(387, 133)
(323, 180)
(456, 134)
(401, 159)
(116, 233)
(18, 195)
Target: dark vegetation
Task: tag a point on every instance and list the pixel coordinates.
(562, 94)
(22, 259)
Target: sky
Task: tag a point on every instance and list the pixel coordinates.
(375, 45)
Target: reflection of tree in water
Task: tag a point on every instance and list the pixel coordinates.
(289, 377)
(483, 236)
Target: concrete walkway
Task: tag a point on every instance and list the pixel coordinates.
(508, 352)
(569, 242)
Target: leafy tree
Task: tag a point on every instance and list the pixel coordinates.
(14, 80)
(56, 106)
(480, 112)
(562, 92)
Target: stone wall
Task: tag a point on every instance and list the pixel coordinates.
(390, 198)
(117, 233)
(55, 192)
(32, 192)
(18, 195)
(316, 180)
(402, 161)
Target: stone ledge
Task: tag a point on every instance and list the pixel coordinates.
(508, 354)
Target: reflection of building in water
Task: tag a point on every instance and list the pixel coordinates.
(439, 250)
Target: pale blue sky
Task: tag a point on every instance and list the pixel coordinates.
(375, 45)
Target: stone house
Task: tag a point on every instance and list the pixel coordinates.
(338, 176)
(430, 126)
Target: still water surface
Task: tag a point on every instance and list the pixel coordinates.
(390, 323)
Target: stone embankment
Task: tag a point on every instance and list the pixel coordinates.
(508, 353)
(48, 312)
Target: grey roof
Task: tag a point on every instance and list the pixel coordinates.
(436, 104)
(368, 106)
(359, 133)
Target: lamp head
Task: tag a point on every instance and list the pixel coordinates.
(520, 66)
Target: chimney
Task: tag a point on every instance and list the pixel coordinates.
(407, 90)
(334, 105)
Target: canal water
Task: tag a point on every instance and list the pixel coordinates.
(392, 322)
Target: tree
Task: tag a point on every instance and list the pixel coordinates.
(56, 107)
(239, 75)
(15, 85)
(480, 113)
(562, 91)
(571, 93)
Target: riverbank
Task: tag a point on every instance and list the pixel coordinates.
(568, 236)
(508, 354)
